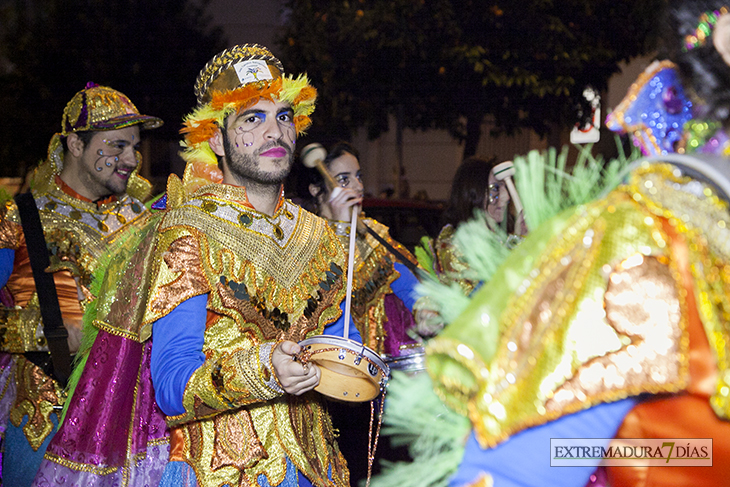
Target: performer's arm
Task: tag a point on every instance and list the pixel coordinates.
(404, 286)
(177, 352)
(7, 258)
(189, 386)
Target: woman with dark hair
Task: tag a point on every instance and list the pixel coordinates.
(383, 297)
(475, 188)
(469, 189)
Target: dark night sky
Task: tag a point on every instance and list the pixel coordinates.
(247, 20)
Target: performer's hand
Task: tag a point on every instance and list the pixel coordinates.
(342, 201)
(296, 378)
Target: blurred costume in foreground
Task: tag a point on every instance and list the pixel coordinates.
(610, 320)
(605, 303)
(654, 111)
(221, 288)
(414, 415)
(87, 196)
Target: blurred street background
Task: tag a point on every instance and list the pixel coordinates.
(415, 85)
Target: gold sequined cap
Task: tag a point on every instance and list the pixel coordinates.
(102, 108)
(235, 67)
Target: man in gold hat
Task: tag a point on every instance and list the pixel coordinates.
(226, 282)
(84, 197)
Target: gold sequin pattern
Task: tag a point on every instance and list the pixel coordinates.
(235, 419)
(558, 352)
(37, 394)
(695, 211)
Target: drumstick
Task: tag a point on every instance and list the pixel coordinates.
(313, 157)
(350, 271)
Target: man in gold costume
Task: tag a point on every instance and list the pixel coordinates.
(87, 194)
(225, 282)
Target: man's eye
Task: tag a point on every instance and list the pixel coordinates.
(285, 117)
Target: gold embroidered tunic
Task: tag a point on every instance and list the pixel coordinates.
(267, 278)
(77, 234)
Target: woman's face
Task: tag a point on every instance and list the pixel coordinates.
(346, 171)
(497, 199)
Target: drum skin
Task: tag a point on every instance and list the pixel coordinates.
(351, 371)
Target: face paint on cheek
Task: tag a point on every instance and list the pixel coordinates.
(290, 133)
(243, 138)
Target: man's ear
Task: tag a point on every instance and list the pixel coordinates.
(314, 190)
(216, 143)
(75, 144)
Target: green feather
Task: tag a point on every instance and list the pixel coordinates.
(435, 435)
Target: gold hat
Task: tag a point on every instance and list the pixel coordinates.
(102, 108)
(236, 67)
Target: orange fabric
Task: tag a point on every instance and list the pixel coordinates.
(177, 443)
(684, 416)
(71, 192)
(22, 286)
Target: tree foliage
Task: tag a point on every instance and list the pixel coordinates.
(449, 63)
(49, 50)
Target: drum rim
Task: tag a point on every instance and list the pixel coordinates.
(352, 345)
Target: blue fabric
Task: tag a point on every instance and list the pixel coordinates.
(180, 474)
(404, 286)
(20, 462)
(177, 352)
(337, 328)
(524, 459)
(7, 259)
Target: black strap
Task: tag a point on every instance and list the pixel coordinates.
(56, 334)
(397, 253)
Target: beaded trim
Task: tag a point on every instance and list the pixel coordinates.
(705, 26)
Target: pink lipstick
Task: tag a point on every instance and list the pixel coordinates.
(275, 152)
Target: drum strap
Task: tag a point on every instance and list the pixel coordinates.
(397, 253)
(53, 329)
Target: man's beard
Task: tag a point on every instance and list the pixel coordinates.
(246, 167)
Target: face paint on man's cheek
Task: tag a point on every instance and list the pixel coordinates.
(291, 133)
(243, 138)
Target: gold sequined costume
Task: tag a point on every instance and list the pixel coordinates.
(268, 278)
(77, 233)
(597, 305)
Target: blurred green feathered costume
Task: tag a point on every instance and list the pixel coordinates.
(415, 415)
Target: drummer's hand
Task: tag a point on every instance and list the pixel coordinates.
(342, 202)
(294, 377)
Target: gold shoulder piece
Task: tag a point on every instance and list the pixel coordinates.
(175, 192)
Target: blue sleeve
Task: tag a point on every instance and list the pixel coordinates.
(177, 352)
(405, 284)
(524, 459)
(338, 327)
(7, 259)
